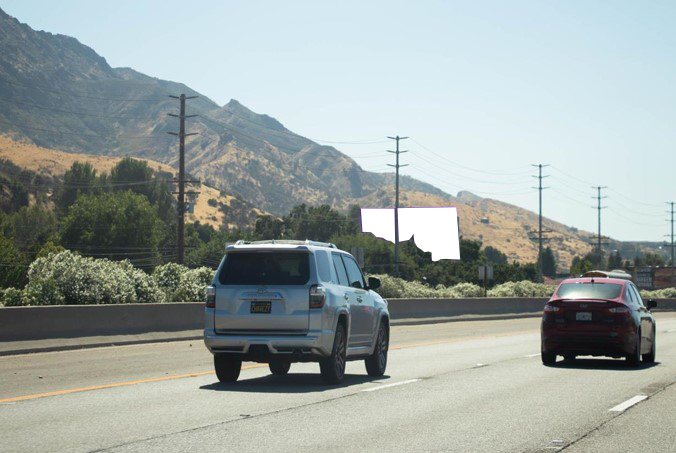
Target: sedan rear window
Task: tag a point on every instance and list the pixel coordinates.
(243, 268)
(589, 291)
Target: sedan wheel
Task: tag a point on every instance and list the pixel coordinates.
(548, 358)
(650, 357)
(634, 359)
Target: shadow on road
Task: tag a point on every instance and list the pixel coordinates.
(290, 383)
(603, 364)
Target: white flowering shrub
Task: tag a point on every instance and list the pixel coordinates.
(462, 290)
(12, 297)
(68, 278)
(181, 284)
(666, 293)
(397, 288)
(523, 288)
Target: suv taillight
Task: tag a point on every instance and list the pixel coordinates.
(210, 297)
(317, 296)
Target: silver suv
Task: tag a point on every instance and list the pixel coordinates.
(280, 302)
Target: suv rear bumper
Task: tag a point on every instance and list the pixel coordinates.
(261, 348)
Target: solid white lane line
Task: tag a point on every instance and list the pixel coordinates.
(627, 404)
(411, 381)
(669, 331)
(532, 355)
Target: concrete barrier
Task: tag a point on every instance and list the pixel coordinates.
(435, 308)
(72, 321)
(77, 321)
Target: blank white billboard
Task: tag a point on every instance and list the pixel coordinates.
(435, 229)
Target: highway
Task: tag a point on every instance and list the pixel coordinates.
(475, 386)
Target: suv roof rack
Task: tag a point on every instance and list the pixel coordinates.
(288, 242)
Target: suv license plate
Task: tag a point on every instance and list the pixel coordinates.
(261, 306)
(583, 316)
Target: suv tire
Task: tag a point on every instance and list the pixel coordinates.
(377, 362)
(227, 367)
(279, 367)
(333, 366)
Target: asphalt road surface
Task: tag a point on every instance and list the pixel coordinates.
(464, 386)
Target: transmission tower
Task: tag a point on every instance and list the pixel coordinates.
(673, 281)
(396, 201)
(540, 189)
(598, 207)
(181, 174)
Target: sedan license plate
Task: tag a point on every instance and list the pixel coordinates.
(261, 306)
(583, 316)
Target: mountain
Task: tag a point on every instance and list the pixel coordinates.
(60, 95)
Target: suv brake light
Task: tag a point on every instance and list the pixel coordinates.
(210, 297)
(317, 296)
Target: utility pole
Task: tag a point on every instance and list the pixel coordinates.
(396, 202)
(599, 207)
(673, 282)
(540, 188)
(181, 174)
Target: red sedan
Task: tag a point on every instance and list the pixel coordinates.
(600, 317)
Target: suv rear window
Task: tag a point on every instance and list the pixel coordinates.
(589, 291)
(274, 268)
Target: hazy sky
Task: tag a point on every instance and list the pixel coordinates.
(483, 88)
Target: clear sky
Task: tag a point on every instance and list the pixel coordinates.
(483, 88)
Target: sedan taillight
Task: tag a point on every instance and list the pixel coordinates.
(317, 296)
(619, 310)
(210, 297)
(551, 308)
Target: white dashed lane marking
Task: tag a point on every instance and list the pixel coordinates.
(627, 404)
(396, 384)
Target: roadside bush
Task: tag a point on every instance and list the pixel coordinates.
(68, 278)
(397, 288)
(12, 297)
(666, 293)
(181, 284)
(523, 288)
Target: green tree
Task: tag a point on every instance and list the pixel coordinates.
(315, 223)
(581, 265)
(548, 263)
(653, 259)
(268, 227)
(495, 256)
(137, 176)
(80, 179)
(614, 260)
(12, 264)
(114, 225)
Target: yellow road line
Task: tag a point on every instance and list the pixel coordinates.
(114, 385)
(197, 374)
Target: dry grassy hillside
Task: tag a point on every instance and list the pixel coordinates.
(497, 224)
(55, 163)
(508, 227)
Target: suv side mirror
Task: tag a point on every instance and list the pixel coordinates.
(651, 304)
(374, 283)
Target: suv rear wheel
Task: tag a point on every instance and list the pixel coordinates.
(377, 362)
(279, 367)
(227, 367)
(333, 366)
